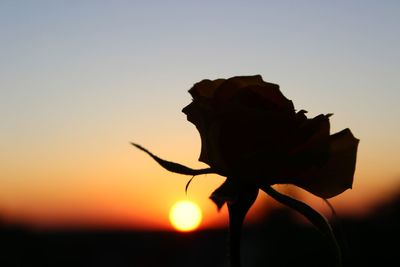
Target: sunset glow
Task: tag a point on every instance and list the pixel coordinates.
(80, 80)
(185, 216)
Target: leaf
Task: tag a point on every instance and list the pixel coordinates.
(188, 183)
(316, 218)
(174, 167)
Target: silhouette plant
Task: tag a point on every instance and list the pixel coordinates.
(252, 135)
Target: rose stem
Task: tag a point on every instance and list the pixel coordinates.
(238, 208)
(236, 218)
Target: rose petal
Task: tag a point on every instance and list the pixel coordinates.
(312, 143)
(253, 139)
(205, 88)
(231, 86)
(199, 114)
(301, 116)
(337, 174)
(225, 88)
(271, 93)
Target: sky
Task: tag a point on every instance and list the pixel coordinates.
(80, 80)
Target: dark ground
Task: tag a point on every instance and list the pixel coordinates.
(370, 241)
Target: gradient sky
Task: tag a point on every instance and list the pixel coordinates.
(79, 80)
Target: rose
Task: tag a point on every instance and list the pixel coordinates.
(251, 133)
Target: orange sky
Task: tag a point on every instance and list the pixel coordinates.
(122, 187)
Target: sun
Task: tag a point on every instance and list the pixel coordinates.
(185, 216)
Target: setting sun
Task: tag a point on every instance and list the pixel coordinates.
(185, 216)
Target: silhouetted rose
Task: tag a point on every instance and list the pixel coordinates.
(251, 133)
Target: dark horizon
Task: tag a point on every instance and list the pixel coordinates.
(279, 241)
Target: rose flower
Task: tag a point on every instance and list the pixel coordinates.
(251, 134)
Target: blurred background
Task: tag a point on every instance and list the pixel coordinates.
(81, 80)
